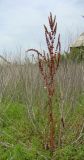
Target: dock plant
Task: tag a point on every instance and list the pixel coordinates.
(48, 64)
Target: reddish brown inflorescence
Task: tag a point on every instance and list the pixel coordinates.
(48, 65)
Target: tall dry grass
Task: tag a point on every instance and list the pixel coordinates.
(22, 83)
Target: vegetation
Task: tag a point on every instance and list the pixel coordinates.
(24, 125)
(48, 65)
(23, 113)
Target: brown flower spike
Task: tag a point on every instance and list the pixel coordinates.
(48, 65)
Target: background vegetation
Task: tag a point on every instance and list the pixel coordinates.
(23, 112)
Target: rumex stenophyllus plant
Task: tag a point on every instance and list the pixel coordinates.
(48, 65)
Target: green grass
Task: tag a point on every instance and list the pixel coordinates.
(20, 141)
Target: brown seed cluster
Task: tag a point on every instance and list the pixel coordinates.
(49, 62)
(51, 59)
(48, 65)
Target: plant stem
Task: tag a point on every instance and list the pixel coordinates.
(52, 126)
